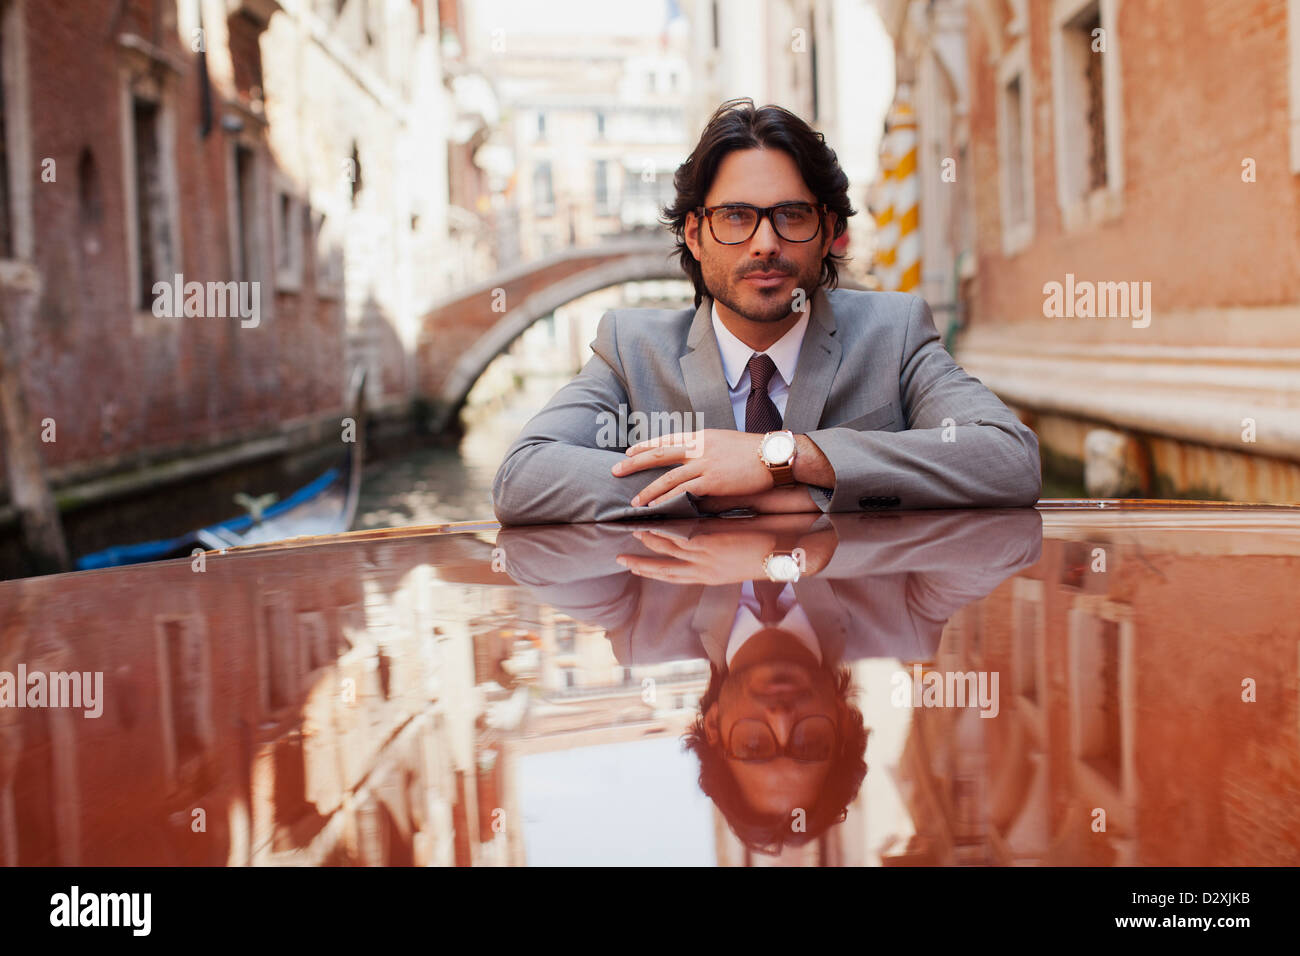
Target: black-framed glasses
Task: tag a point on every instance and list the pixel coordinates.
(734, 223)
(812, 740)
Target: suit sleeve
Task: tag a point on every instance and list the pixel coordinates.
(962, 446)
(557, 470)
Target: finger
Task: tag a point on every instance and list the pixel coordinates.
(661, 544)
(642, 564)
(695, 485)
(663, 441)
(650, 458)
(665, 483)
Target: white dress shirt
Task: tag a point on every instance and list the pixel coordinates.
(747, 624)
(735, 361)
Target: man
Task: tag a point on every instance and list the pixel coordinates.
(810, 398)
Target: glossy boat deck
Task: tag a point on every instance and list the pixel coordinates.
(1100, 683)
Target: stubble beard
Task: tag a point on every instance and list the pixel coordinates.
(768, 306)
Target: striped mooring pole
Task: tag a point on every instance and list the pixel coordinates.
(907, 196)
(886, 224)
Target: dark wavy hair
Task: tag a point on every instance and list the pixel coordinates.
(738, 125)
(763, 833)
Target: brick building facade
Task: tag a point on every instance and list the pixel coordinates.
(1150, 154)
(298, 149)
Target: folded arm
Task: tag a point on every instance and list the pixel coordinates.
(556, 472)
(963, 447)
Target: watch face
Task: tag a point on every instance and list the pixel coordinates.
(778, 448)
(783, 567)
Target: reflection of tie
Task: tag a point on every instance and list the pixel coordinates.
(761, 414)
(769, 601)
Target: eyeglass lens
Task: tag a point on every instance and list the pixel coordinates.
(797, 222)
(812, 738)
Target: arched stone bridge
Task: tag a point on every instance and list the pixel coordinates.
(460, 336)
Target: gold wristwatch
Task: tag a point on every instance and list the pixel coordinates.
(776, 451)
(783, 567)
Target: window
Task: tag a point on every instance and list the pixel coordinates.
(316, 643)
(245, 213)
(288, 241)
(1096, 107)
(1015, 148)
(1015, 156)
(543, 189)
(278, 654)
(284, 213)
(600, 125)
(1085, 78)
(90, 203)
(153, 227)
(354, 173)
(1028, 653)
(541, 125)
(16, 172)
(565, 640)
(186, 691)
(1027, 630)
(602, 186)
(1101, 638)
(329, 256)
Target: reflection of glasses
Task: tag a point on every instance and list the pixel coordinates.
(735, 223)
(812, 740)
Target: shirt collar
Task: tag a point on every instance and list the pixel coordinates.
(736, 354)
(795, 621)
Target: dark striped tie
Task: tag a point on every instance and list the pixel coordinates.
(760, 411)
(768, 594)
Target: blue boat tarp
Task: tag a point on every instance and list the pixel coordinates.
(174, 547)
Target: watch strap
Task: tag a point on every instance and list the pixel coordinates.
(782, 475)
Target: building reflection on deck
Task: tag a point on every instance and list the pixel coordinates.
(471, 697)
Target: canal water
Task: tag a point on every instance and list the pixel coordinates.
(436, 485)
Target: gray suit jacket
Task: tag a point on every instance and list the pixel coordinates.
(874, 389)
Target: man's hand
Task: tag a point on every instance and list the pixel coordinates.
(714, 461)
(721, 463)
(722, 558)
(727, 556)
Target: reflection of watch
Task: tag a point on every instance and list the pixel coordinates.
(776, 451)
(782, 567)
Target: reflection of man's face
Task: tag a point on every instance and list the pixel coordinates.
(776, 681)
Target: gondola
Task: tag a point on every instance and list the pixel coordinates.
(326, 505)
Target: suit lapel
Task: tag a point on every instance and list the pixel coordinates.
(713, 618)
(830, 621)
(702, 371)
(819, 359)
